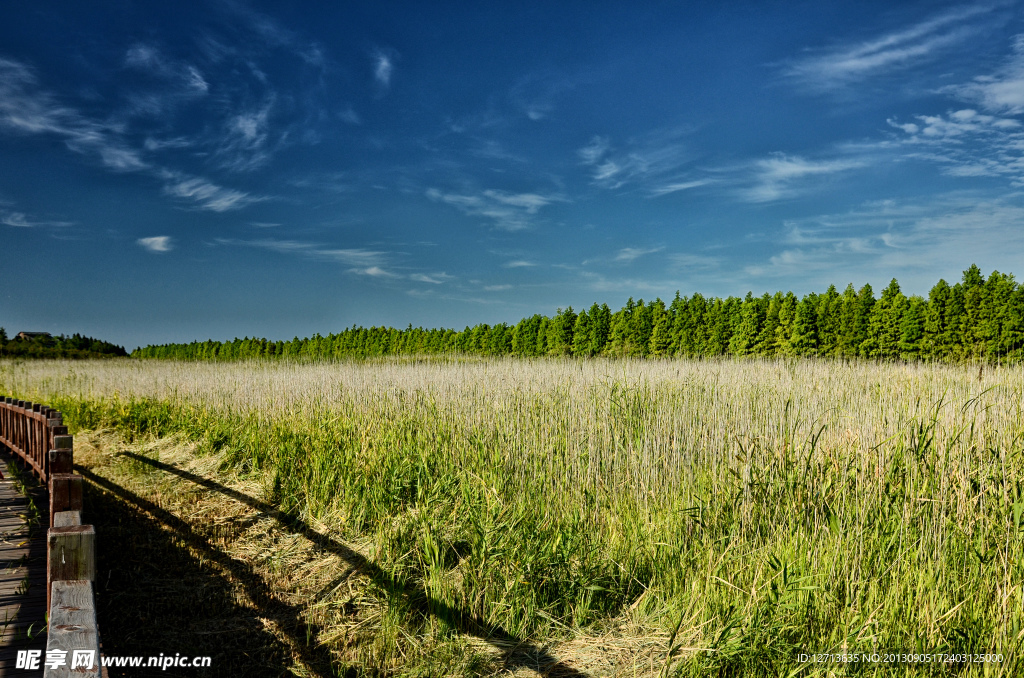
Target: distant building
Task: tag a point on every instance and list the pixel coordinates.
(33, 335)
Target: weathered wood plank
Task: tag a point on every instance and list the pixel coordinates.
(65, 493)
(73, 628)
(67, 518)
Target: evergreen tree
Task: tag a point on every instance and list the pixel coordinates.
(752, 315)
(912, 328)
(560, 339)
(884, 324)
(767, 340)
(787, 316)
(829, 321)
(601, 320)
(803, 340)
(582, 335)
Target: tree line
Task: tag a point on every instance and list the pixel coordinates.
(976, 318)
(46, 346)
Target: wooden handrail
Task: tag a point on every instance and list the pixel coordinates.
(37, 435)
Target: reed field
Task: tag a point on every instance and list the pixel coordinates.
(485, 516)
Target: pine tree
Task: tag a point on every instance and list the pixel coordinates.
(787, 315)
(803, 339)
(582, 335)
(601, 320)
(912, 328)
(767, 339)
(752, 314)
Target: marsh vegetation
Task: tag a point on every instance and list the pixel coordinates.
(608, 517)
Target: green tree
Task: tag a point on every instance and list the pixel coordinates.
(803, 340)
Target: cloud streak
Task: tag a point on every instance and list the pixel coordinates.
(776, 178)
(210, 196)
(21, 220)
(1001, 92)
(25, 108)
(654, 157)
(884, 238)
(845, 64)
(507, 211)
(157, 243)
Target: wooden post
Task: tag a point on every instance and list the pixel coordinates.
(62, 455)
(70, 554)
(73, 627)
(65, 493)
(67, 518)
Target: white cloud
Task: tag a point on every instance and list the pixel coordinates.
(383, 67)
(186, 78)
(912, 241)
(433, 279)
(841, 65)
(157, 243)
(774, 177)
(374, 272)
(518, 263)
(209, 195)
(26, 109)
(1002, 92)
(244, 144)
(594, 151)
(678, 186)
(631, 254)
(360, 261)
(497, 288)
(645, 159)
(508, 211)
(21, 220)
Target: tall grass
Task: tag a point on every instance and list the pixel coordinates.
(761, 509)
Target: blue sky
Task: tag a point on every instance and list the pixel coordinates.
(171, 173)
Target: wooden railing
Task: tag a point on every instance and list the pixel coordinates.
(36, 434)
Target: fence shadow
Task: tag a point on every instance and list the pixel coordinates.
(155, 596)
(514, 652)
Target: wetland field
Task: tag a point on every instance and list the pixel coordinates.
(564, 517)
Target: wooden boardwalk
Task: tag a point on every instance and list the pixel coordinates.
(22, 573)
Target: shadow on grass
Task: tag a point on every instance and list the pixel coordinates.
(154, 596)
(515, 652)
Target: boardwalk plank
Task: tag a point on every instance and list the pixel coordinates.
(20, 557)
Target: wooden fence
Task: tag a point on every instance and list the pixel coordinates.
(36, 433)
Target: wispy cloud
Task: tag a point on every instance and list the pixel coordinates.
(679, 186)
(508, 211)
(653, 157)
(433, 279)
(518, 263)
(244, 144)
(157, 243)
(210, 196)
(912, 240)
(843, 64)
(384, 67)
(630, 254)
(185, 79)
(777, 177)
(361, 261)
(25, 108)
(1003, 91)
(21, 220)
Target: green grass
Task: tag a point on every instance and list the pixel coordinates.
(753, 510)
